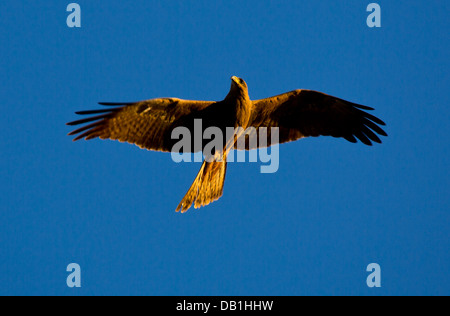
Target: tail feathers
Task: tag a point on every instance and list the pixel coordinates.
(207, 186)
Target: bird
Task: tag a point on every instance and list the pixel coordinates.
(296, 114)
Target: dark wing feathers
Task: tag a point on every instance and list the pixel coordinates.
(297, 114)
(90, 119)
(148, 124)
(97, 111)
(304, 113)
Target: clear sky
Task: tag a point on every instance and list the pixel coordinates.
(311, 228)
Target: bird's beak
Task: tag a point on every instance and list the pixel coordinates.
(235, 79)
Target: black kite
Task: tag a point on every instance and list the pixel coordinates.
(297, 114)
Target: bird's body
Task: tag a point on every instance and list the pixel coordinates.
(239, 98)
(296, 114)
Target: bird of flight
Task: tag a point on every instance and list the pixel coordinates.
(295, 115)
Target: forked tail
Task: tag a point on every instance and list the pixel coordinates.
(207, 186)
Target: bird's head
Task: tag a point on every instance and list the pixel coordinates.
(238, 84)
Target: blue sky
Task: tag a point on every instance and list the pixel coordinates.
(309, 229)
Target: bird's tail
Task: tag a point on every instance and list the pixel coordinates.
(207, 186)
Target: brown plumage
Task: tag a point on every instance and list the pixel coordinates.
(297, 114)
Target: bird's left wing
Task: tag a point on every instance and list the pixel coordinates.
(147, 124)
(305, 113)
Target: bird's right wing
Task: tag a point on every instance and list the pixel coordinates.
(147, 124)
(305, 113)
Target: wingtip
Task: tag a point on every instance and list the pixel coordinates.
(363, 107)
(378, 141)
(382, 133)
(79, 137)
